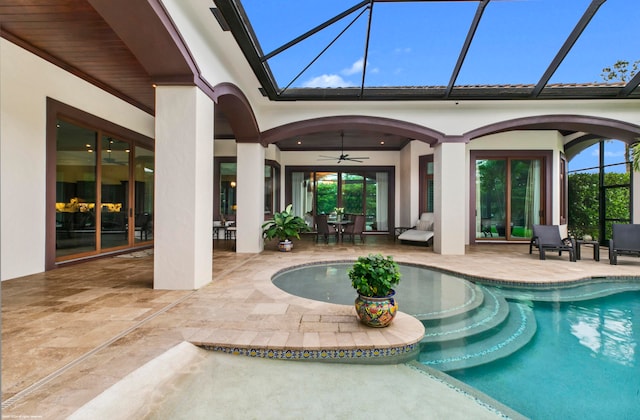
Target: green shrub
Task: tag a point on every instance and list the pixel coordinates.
(374, 275)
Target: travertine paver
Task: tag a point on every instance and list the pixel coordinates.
(70, 333)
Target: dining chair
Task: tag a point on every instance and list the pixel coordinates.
(355, 228)
(323, 228)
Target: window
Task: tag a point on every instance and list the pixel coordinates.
(358, 191)
(226, 184)
(599, 189)
(100, 188)
(426, 184)
(509, 193)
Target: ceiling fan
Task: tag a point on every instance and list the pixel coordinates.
(342, 156)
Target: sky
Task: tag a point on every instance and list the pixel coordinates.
(418, 43)
(614, 152)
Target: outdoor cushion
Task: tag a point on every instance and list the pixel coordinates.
(416, 235)
(424, 225)
(423, 231)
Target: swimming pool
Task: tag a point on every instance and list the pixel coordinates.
(583, 362)
(566, 352)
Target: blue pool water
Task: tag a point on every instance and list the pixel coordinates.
(583, 363)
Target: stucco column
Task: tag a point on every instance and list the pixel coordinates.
(449, 197)
(250, 200)
(635, 215)
(183, 218)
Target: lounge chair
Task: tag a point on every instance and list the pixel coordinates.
(625, 240)
(421, 232)
(547, 238)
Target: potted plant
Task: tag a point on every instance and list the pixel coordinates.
(373, 277)
(284, 226)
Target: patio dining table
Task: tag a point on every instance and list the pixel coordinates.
(339, 225)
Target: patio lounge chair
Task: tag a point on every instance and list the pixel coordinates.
(421, 232)
(625, 240)
(547, 238)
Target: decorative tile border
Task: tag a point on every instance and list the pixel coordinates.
(352, 355)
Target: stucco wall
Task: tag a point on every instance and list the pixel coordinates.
(25, 83)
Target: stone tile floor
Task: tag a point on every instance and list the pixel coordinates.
(69, 334)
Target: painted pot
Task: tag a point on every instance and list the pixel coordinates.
(376, 312)
(285, 246)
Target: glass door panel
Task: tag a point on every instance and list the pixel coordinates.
(302, 193)
(526, 197)
(377, 201)
(144, 194)
(75, 189)
(228, 191)
(114, 199)
(491, 190)
(352, 193)
(327, 192)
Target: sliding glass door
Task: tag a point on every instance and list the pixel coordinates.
(104, 192)
(357, 192)
(509, 197)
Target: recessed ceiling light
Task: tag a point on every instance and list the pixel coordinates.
(299, 142)
(382, 142)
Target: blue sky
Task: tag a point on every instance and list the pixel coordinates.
(589, 157)
(418, 43)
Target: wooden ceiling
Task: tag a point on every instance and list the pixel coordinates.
(74, 36)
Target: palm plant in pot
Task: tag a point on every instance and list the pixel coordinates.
(373, 277)
(284, 226)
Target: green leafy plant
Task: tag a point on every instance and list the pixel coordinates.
(374, 275)
(284, 226)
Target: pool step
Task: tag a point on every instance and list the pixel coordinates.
(500, 341)
(493, 311)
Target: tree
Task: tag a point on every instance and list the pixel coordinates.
(620, 71)
(635, 152)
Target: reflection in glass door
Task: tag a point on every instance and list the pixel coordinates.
(364, 193)
(352, 192)
(326, 192)
(114, 198)
(144, 194)
(99, 198)
(509, 197)
(75, 189)
(526, 197)
(491, 188)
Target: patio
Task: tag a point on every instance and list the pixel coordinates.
(69, 334)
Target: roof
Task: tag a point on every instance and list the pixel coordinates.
(437, 49)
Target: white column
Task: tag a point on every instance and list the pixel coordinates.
(250, 200)
(183, 252)
(635, 208)
(449, 196)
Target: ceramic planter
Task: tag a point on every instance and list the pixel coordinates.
(376, 312)
(285, 246)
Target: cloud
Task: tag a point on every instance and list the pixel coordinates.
(614, 154)
(405, 50)
(327, 81)
(335, 80)
(355, 68)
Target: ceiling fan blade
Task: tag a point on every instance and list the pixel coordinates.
(343, 156)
